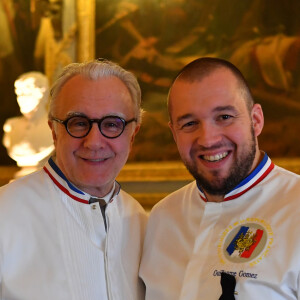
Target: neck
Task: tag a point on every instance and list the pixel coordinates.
(214, 198)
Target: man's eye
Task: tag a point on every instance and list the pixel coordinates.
(81, 124)
(77, 123)
(189, 125)
(225, 117)
(108, 125)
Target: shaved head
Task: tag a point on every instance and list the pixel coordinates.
(201, 68)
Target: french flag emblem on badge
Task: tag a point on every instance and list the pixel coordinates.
(244, 242)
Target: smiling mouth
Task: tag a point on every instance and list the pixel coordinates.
(96, 160)
(214, 158)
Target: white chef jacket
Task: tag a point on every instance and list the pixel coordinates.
(253, 235)
(53, 243)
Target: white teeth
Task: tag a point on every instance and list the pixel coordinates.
(215, 157)
(96, 160)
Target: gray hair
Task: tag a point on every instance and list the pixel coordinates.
(100, 68)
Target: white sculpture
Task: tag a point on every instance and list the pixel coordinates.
(27, 138)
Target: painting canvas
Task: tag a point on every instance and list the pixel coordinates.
(156, 38)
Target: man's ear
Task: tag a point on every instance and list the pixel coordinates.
(173, 131)
(51, 125)
(257, 117)
(136, 130)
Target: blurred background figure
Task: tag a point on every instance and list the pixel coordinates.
(27, 138)
(55, 41)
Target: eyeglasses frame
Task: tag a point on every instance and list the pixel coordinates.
(91, 121)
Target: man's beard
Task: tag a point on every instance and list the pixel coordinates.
(239, 171)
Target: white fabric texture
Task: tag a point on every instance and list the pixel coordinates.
(189, 242)
(55, 247)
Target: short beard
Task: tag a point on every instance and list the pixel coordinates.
(239, 171)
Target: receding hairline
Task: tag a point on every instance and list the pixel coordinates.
(94, 70)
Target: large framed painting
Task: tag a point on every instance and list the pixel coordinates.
(154, 39)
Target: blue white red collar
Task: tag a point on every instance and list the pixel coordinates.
(60, 180)
(255, 177)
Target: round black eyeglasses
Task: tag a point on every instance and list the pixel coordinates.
(79, 126)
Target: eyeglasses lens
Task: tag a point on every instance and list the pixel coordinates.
(109, 126)
(112, 126)
(78, 126)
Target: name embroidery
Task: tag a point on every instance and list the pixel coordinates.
(235, 274)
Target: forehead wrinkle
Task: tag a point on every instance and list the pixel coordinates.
(225, 107)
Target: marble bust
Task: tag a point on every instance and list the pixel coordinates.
(28, 138)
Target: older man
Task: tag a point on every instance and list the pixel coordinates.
(68, 231)
(233, 232)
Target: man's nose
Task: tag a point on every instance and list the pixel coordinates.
(208, 135)
(94, 140)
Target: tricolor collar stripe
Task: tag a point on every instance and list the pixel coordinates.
(250, 179)
(62, 188)
(202, 195)
(270, 168)
(260, 166)
(61, 174)
(256, 176)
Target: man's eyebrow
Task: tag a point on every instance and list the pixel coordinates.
(183, 117)
(75, 114)
(216, 109)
